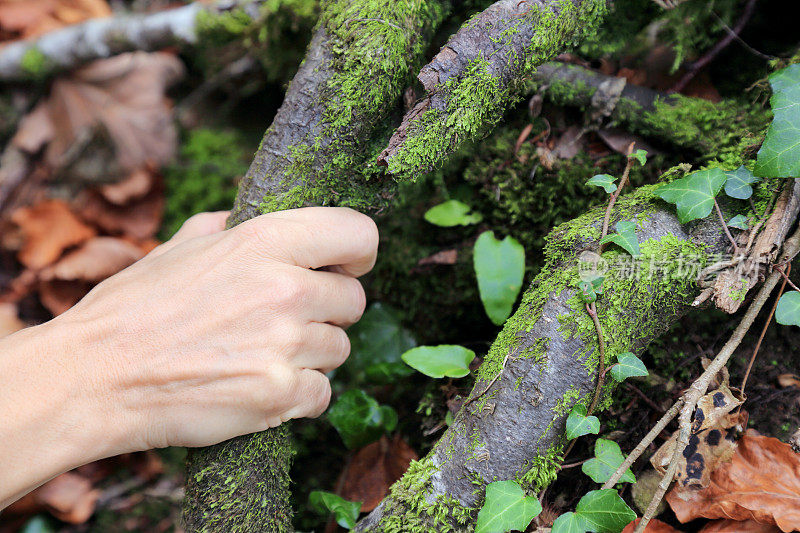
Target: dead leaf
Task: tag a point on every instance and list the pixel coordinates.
(761, 483)
(570, 143)
(49, 228)
(9, 320)
(138, 220)
(95, 260)
(444, 257)
(653, 526)
(59, 295)
(25, 19)
(134, 187)
(69, 497)
(734, 526)
(619, 141)
(373, 470)
(789, 380)
(712, 440)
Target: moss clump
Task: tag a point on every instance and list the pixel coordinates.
(204, 177)
(35, 64)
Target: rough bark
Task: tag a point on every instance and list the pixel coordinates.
(479, 72)
(544, 362)
(356, 67)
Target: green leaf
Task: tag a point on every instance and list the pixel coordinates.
(779, 156)
(640, 155)
(606, 181)
(628, 365)
(738, 184)
(578, 424)
(506, 508)
(607, 458)
(377, 341)
(500, 267)
(452, 213)
(603, 511)
(694, 195)
(788, 311)
(569, 523)
(445, 360)
(587, 292)
(345, 512)
(359, 418)
(739, 222)
(625, 237)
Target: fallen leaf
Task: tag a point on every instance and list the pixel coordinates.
(9, 320)
(95, 260)
(374, 469)
(30, 18)
(445, 257)
(712, 440)
(49, 228)
(619, 141)
(135, 186)
(69, 497)
(761, 483)
(735, 526)
(58, 295)
(138, 220)
(653, 526)
(788, 380)
(570, 143)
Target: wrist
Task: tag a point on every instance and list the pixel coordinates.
(53, 418)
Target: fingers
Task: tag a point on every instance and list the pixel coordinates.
(198, 225)
(313, 394)
(335, 298)
(325, 348)
(315, 237)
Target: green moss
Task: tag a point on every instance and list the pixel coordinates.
(34, 63)
(204, 177)
(542, 471)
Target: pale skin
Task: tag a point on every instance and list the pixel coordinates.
(212, 335)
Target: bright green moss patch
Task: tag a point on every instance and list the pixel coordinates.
(35, 63)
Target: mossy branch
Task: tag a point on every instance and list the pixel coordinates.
(550, 348)
(479, 73)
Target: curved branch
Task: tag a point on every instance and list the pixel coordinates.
(550, 349)
(478, 74)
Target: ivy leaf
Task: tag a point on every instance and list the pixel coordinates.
(506, 508)
(578, 424)
(569, 523)
(445, 360)
(606, 181)
(345, 512)
(739, 222)
(587, 292)
(738, 184)
(788, 311)
(500, 267)
(359, 418)
(377, 342)
(640, 155)
(779, 156)
(625, 237)
(628, 365)
(694, 194)
(607, 458)
(603, 511)
(452, 213)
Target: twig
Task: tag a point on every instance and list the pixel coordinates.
(741, 41)
(785, 275)
(764, 331)
(601, 365)
(653, 405)
(709, 56)
(699, 387)
(615, 194)
(725, 228)
(489, 386)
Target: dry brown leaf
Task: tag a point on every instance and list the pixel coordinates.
(653, 526)
(139, 220)
(95, 260)
(735, 526)
(712, 440)
(30, 18)
(789, 380)
(445, 257)
(58, 295)
(135, 186)
(761, 483)
(373, 470)
(49, 228)
(9, 319)
(570, 143)
(69, 497)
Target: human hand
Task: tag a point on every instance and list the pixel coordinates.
(216, 333)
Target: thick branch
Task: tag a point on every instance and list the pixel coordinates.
(479, 72)
(356, 67)
(515, 430)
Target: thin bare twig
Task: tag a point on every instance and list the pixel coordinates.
(615, 194)
(601, 365)
(725, 228)
(785, 275)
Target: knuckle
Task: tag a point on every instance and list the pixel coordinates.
(359, 299)
(367, 230)
(290, 289)
(320, 395)
(341, 346)
(256, 232)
